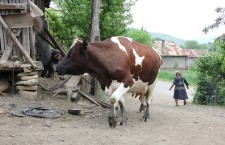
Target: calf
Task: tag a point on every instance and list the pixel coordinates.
(134, 65)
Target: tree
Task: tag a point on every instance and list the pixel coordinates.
(57, 27)
(211, 69)
(95, 36)
(95, 32)
(115, 16)
(140, 35)
(191, 44)
(219, 21)
(76, 16)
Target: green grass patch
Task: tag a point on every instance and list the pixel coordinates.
(168, 76)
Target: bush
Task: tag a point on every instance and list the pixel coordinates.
(205, 90)
(210, 80)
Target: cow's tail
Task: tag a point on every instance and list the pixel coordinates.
(161, 62)
(150, 91)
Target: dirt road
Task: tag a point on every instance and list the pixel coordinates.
(169, 125)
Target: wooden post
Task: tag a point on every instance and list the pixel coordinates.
(18, 44)
(54, 42)
(95, 36)
(25, 40)
(1, 39)
(32, 45)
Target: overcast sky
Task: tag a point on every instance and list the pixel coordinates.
(184, 19)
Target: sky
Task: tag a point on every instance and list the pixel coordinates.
(184, 19)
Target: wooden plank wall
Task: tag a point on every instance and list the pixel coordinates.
(21, 6)
(23, 32)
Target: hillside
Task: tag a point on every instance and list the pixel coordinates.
(178, 40)
(167, 37)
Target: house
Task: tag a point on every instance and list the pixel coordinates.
(174, 57)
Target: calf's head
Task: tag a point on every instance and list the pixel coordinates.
(75, 61)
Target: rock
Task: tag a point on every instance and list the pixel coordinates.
(27, 70)
(27, 74)
(196, 121)
(25, 78)
(28, 82)
(28, 93)
(25, 65)
(27, 88)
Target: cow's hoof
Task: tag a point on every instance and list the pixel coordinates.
(112, 121)
(146, 116)
(142, 107)
(124, 121)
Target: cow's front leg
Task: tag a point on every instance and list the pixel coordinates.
(112, 116)
(122, 109)
(116, 96)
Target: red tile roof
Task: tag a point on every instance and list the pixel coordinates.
(171, 49)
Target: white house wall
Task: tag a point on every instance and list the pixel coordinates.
(172, 61)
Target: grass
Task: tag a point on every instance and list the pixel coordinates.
(168, 76)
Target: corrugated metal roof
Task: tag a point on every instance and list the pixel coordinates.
(168, 48)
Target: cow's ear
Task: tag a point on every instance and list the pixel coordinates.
(84, 46)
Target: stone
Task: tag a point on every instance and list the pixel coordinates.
(25, 78)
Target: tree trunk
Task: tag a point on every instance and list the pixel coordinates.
(95, 32)
(95, 36)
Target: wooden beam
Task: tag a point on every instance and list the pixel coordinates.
(54, 42)
(18, 44)
(7, 52)
(1, 39)
(26, 40)
(18, 20)
(8, 65)
(4, 6)
(88, 97)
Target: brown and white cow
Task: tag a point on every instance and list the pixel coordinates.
(135, 66)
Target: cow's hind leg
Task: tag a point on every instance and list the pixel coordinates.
(149, 100)
(142, 106)
(147, 114)
(116, 96)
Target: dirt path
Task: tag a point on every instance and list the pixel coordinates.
(169, 125)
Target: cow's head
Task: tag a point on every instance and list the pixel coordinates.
(75, 61)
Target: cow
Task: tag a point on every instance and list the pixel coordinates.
(133, 65)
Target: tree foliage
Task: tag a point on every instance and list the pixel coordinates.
(57, 27)
(140, 35)
(211, 76)
(75, 16)
(220, 20)
(193, 44)
(211, 69)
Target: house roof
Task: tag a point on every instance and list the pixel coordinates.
(168, 48)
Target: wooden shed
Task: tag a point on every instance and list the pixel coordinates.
(17, 42)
